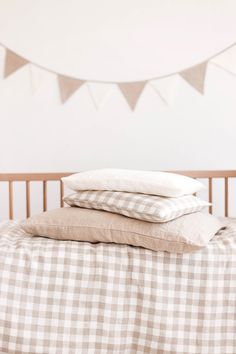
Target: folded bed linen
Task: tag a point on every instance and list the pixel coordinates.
(65, 297)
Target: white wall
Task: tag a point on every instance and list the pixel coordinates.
(112, 40)
(37, 133)
(195, 132)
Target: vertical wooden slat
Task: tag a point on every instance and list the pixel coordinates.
(44, 195)
(10, 185)
(210, 193)
(27, 188)
(61, 194)
(226, 196)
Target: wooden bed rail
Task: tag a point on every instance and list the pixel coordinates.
(30, 177)
(10, 178)
(210, 175)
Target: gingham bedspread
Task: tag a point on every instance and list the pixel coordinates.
(67, 297)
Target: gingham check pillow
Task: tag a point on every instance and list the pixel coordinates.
(138, 206)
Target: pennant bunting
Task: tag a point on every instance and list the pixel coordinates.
(132, 91)
(68, 86)
(13, 62)
(100, 93)
(195, 76)
(165, 88)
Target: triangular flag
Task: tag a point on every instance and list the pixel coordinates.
(195, 76)
(100, 93)
(226, 60)
(38, 76)
(165, 87)
(132, 91)
(13, 62)
(68, 86)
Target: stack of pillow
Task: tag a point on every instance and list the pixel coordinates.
(155, 210)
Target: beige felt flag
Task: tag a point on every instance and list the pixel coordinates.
(13, 62)
(132, 91)
(195, 76)
(68, 86)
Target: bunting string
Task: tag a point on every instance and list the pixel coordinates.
(195, 76)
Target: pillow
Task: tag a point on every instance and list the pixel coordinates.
(147, 182)
(185, 234)
(138, 206)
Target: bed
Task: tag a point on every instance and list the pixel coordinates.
(78, 297)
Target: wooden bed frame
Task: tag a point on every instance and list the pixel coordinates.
(10, 178)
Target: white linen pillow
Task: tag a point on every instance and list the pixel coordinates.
(148, 182)
(145, 207)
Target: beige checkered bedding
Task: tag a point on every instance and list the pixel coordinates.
(136, 205)
(65, 297)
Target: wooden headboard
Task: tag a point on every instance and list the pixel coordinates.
(10, 178)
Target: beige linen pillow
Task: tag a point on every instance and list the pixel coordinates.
(138, 206)
(135, 181)
(185, 234)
